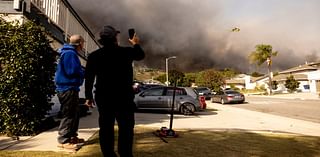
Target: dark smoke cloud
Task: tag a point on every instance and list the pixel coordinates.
(198, 33)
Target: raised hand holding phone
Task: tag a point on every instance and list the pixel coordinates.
(133, 37)
(131, 33)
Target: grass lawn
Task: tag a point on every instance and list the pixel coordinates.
(202, 143)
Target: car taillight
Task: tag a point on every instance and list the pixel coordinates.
(202, 98)
(202, 101)
(229, 97)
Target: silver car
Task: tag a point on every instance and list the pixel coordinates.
(228, 96)
(160, 98)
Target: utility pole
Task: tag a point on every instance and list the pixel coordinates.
(167, 69)
(269, 62)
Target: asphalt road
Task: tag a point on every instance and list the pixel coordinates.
(308, 110)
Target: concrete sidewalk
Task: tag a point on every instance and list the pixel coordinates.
(217, 117)
(47, 141)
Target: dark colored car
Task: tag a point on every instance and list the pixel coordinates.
(204, 91)
(228, 96)
(187, 100)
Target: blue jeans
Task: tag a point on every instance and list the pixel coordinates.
(69, 123)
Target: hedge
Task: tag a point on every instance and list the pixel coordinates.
(27, 65)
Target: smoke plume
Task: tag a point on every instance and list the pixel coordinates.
(199, 32)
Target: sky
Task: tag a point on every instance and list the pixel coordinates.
(199, 32)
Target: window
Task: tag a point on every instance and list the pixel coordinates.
(179, 91)
(154, 92)
(232, 92)
(306, 86)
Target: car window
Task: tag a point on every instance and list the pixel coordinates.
(179, 91)
(232, 92)
(153, 92)
(201, 89)
(193, 90)
(197, 90)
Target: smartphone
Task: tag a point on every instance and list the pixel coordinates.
(131, 33)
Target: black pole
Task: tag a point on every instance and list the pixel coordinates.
(172, 106)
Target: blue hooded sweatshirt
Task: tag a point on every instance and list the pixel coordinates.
(69, 74)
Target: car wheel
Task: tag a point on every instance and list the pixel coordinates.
(187, 109)
(222, 101)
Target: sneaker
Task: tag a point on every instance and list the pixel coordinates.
(71, 146)
(76, 140)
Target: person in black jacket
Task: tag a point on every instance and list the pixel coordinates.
(111, 69)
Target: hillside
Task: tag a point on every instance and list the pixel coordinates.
(147, 74)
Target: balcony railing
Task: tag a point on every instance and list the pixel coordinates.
(61, 14)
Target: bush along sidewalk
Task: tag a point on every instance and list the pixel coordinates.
(27, 65)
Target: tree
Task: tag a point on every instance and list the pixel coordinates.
(210, 78)
(188, 79)
(161, 78)
(262, 54)
(26, 78)
(176, 76)
(184, 80)
(291, 84)
(229, 73)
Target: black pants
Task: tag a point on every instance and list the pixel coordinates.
(125, 121)
(69, 124)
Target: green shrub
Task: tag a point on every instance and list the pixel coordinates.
(291, 84)
(274, 85)
(26, 79)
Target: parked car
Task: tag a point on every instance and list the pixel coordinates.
(137, 86)
(187, 100)
(140, 86)
(206, 92)
(147, 86)
(228, 96)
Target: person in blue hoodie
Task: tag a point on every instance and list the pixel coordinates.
(68, 79)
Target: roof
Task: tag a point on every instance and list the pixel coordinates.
(255, 79)
(316, 64)
(235, 82)
(283, 77)
(241, 75)
(300, 68)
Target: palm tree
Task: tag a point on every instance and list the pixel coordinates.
(262, 54)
